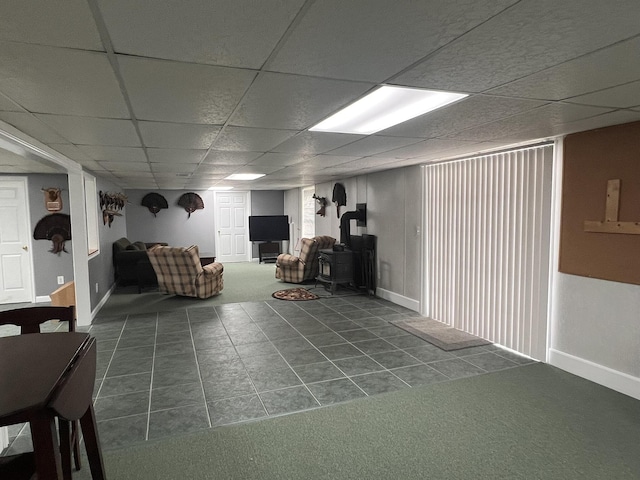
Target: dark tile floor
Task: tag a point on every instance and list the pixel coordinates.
(174, 372)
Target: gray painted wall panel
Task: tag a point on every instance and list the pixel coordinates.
(101, 266)
(48, 266)
(267, 202)
(171, 225)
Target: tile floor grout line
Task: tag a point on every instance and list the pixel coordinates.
(153, 361)
(111, 358)
(195, 354)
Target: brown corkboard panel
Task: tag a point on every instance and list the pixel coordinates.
(591, 159)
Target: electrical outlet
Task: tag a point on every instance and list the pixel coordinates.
(96, 287)
(60, 280)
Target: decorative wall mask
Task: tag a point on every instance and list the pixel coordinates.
(339, 197)
(55, 227)
(191, 202)
(323, 205)
(52, 199)
(111, 204)
(154, 202)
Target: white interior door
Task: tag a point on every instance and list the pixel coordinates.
(232, 227)
(15, 259)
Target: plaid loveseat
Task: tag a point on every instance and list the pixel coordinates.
(180, 272)
(290, 268)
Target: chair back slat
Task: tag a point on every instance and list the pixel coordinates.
(29, 319)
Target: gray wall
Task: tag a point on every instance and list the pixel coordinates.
(267, 202)
(48, 266)
(101, 266)
(171, 225)
(393, 215)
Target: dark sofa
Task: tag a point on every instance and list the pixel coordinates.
(131, 263)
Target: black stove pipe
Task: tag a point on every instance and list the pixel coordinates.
(345, 226)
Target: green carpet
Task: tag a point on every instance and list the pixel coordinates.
(243, 282)
(531, 422)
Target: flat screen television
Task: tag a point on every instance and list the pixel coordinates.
(268, 228)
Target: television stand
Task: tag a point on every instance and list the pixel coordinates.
(268, 252)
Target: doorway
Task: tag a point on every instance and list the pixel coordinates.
(16, 275)
(232, 226)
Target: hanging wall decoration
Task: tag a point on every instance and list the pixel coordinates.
(323, 205)
(339, 197)
(52, 199)
(191, 202)
(154, 202)
(111, 204)
(55, 227)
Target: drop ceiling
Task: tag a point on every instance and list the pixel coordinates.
(179, 94)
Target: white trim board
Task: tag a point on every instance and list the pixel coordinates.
(104, 299)
(398, 299)
(618, 381)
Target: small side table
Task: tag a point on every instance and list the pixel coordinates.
(268, 251)
(206, 258)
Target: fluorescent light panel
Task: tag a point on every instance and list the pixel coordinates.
(220, 188)
(385, 107)
(244, 176)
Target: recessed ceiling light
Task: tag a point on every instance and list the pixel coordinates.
(244, 176)
(220, 188)
(384, 107)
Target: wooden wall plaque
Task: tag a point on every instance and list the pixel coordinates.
(601, 204)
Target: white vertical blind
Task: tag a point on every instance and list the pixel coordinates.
(487, 230)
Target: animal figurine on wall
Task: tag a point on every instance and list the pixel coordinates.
(55, 227)
(52, 199)
(191, 202)
(323, 205)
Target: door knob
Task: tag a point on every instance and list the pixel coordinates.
(25, 248)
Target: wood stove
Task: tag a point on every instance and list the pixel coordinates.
(335, 267)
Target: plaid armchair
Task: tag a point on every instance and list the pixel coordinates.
(179, 272)
(292, 269)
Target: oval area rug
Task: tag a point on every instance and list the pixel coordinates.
(294, 294)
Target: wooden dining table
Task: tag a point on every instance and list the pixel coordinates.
(33, 368)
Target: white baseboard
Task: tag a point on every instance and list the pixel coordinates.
(104, 299)
(43, 298)
(618, 381)
(398, 299)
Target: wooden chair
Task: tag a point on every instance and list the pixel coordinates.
(29, 320)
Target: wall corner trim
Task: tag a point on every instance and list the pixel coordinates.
(104, 299)
(398, 299)
(618, 381)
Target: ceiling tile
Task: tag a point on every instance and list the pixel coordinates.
(183, 92)
(230, 158)
(543, 119)
(373, 39)
(423, 148)
(614, 118)
(175, 155)
(61, 81)
(62, 23)
(279, 159)
(528, 37)
(623, 96)
(277, 100)
(605, 68)
(207, 169)
(374, 144)
(467, 113)
(93, 131)
(258, 169)
(177, 135)
(173, 167)
(251, 139)
(122, 167)
(201, 32)
(308, 143)
(7, 105)
(33, 127)
(122, 154)
(71, 151)
(324, 161)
